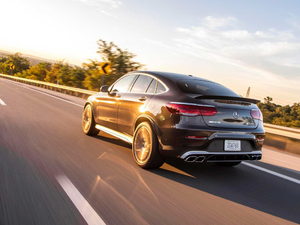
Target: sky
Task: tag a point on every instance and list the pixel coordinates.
(239, 44)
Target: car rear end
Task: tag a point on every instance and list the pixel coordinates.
(212, 124)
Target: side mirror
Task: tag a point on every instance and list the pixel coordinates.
(104, 88)
(114, 93)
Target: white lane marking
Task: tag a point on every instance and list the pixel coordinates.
(44, 93)
(85, 209)
(272, 172)
(2, 102)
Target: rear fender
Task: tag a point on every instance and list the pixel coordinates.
(147, 118)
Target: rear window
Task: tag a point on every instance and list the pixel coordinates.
(151, 88)
(160, 88)
(204, 88)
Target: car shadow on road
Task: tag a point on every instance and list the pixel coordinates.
(240, 184)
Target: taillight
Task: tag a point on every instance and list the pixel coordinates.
(191, 110)
(256, 114)
(207, 111)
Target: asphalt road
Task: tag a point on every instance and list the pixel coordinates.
(52, 173)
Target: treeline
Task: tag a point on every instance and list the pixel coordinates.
(280, 115)
(87, 76)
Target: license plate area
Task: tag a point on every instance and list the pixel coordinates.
(232, 145)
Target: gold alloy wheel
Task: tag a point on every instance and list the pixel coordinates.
(86, 118)
(142, 145)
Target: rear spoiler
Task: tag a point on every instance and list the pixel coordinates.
(228, 98)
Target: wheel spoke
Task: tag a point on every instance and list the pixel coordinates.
(86, 118)
(86, 126)
(142, 144)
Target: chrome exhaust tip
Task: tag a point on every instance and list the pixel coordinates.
(200, 159)
(190, 159)
(258, 157)
(254, 157)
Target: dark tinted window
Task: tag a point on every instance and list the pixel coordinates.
(141, 84)
(123, 84)
(160, 88)
(204, 88)
(151, 88)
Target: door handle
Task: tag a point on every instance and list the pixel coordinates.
(143, 98)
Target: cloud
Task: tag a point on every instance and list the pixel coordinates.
(107, 13)
(110, 3)
(162, 45)
(275, 34)
(213, 22)
(294, 22)
(270, 51)
(104, 5)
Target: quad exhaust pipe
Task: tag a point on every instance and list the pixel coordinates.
(197, 159)
(200, 159)
(191, 159)
(256, 157)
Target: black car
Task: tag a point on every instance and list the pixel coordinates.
(174, 115)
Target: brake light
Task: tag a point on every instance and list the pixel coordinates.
(207, 111)
(191, 110)
(256, 114)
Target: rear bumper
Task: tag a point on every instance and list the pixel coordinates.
(212, 149)
(204, 156)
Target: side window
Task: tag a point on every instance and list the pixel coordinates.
(160, 88)
(151, 88)
(141, 84)
(123, 84)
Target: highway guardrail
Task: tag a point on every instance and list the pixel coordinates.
(282, 131)
(269, 128)
(55, 87)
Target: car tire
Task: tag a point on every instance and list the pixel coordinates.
(88, 122)
(145, 147)
(227, 164)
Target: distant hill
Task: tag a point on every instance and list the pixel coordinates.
(32, 59)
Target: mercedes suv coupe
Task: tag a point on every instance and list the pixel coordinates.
(174, 115)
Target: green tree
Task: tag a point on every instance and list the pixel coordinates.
(88, 76)
(20, 63)
(3, 65)
(52, 75)
(36, 72)
(77, 76)
(280, 115)
(93, 77)
(64, 74)
(121, 60)
(268, 100)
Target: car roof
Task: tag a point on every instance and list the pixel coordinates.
(172, 76)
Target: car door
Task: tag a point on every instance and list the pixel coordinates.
(107, 103)
(133, 102)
